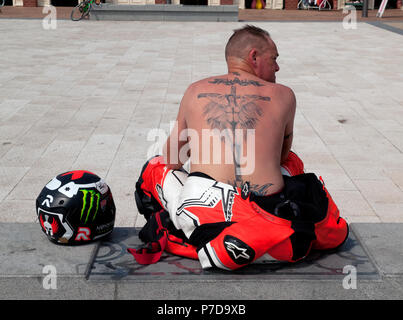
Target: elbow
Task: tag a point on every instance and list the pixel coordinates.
(284, 157)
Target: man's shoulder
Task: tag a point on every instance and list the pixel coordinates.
(200, 86)
(281, 92)
(279, 88)
(204, 82)
(196, 86)
(191, 95)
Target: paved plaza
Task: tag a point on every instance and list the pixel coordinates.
(91, 95)
(88, 95)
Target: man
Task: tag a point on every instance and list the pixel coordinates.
(235, 204)
(245, 98)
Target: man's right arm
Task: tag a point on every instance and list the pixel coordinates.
(290, 106)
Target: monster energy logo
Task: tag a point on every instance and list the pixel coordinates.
(94, 198)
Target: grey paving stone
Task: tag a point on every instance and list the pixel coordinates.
(384, 243)
(113, 262)
(67, 288)
(104, 270)
(25, 250)
(26, 254)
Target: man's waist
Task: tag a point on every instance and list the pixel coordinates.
(201, 175)
(242, 183)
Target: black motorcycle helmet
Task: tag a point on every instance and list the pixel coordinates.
(76, 207)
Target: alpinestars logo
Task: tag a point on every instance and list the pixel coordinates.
(238, 250)
(91, 199)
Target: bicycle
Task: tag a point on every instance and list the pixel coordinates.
(309, 4)
(2, 2)
(81, 10)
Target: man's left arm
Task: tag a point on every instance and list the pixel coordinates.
(176, 140)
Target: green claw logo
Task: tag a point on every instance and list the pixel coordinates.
(93, 197)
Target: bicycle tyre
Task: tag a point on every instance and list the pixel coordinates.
(79, 11)
(2, 3)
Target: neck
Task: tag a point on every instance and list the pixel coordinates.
(240, 66)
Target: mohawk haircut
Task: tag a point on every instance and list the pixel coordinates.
(245, 38)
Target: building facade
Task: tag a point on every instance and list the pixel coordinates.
(243, 4)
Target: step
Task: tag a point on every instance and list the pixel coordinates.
(164, 12)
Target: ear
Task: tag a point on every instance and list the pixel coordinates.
(252, 57)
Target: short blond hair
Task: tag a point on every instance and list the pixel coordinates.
(245, 38)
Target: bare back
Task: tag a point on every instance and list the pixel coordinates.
(236, 125)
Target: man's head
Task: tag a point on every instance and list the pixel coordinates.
(252, 48)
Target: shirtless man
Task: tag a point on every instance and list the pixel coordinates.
(245, 98)
(246, 193)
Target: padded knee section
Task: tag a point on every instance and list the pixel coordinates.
(146, 205)
(226, 252)
(293, 165)
(145, 195)
(241, 243)
(332, 231)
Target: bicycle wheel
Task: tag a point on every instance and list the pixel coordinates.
(79, 11)
(87, 12)
(2, 3)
